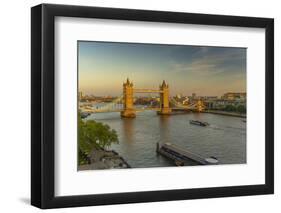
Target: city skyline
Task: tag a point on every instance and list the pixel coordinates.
(206, 71)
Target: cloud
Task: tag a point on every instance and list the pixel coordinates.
(207, 61)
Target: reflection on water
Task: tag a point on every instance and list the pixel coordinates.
(225, 138)
(164, 129)
(128, 130)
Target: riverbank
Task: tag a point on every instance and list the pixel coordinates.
(234, 114)
(104, 159)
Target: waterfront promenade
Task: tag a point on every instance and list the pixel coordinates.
(219, 112)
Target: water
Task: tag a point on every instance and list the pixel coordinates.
(225, 138)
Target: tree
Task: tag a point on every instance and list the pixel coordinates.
(92, 134)
(241, 109)
(230, 108)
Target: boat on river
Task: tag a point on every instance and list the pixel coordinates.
(181, 156)
(199, 123)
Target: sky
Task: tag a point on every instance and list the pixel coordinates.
(204, 70)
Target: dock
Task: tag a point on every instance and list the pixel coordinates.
(180, 155)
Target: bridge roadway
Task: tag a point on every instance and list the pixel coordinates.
(136, 109)
(147, 91)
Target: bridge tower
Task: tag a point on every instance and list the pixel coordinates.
(200, 106)
(128, 100)
(164, 99)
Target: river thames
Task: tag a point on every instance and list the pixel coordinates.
(224, 138)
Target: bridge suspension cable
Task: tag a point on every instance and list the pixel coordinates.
(115, 104)
(198, 105)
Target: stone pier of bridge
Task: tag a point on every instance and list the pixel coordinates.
(128, 100)
(164, 100)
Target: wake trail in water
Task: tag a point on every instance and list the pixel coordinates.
(227, 128)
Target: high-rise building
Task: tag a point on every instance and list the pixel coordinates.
(193, 95)
(80, 95)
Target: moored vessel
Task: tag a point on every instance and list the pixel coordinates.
(199, 123)
(181, 156)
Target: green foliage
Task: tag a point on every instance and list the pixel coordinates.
(239, 108)
(92, 134)
(83, 158)
(230, 108)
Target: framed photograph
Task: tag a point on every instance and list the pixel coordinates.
(139, 106)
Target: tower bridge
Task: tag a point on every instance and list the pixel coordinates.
(128, 110)
(128, 98)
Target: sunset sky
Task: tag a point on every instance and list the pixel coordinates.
(104, 66)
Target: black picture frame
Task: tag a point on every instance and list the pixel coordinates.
(43, 105)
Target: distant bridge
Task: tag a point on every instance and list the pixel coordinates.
(101, 110)
(127, 108)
